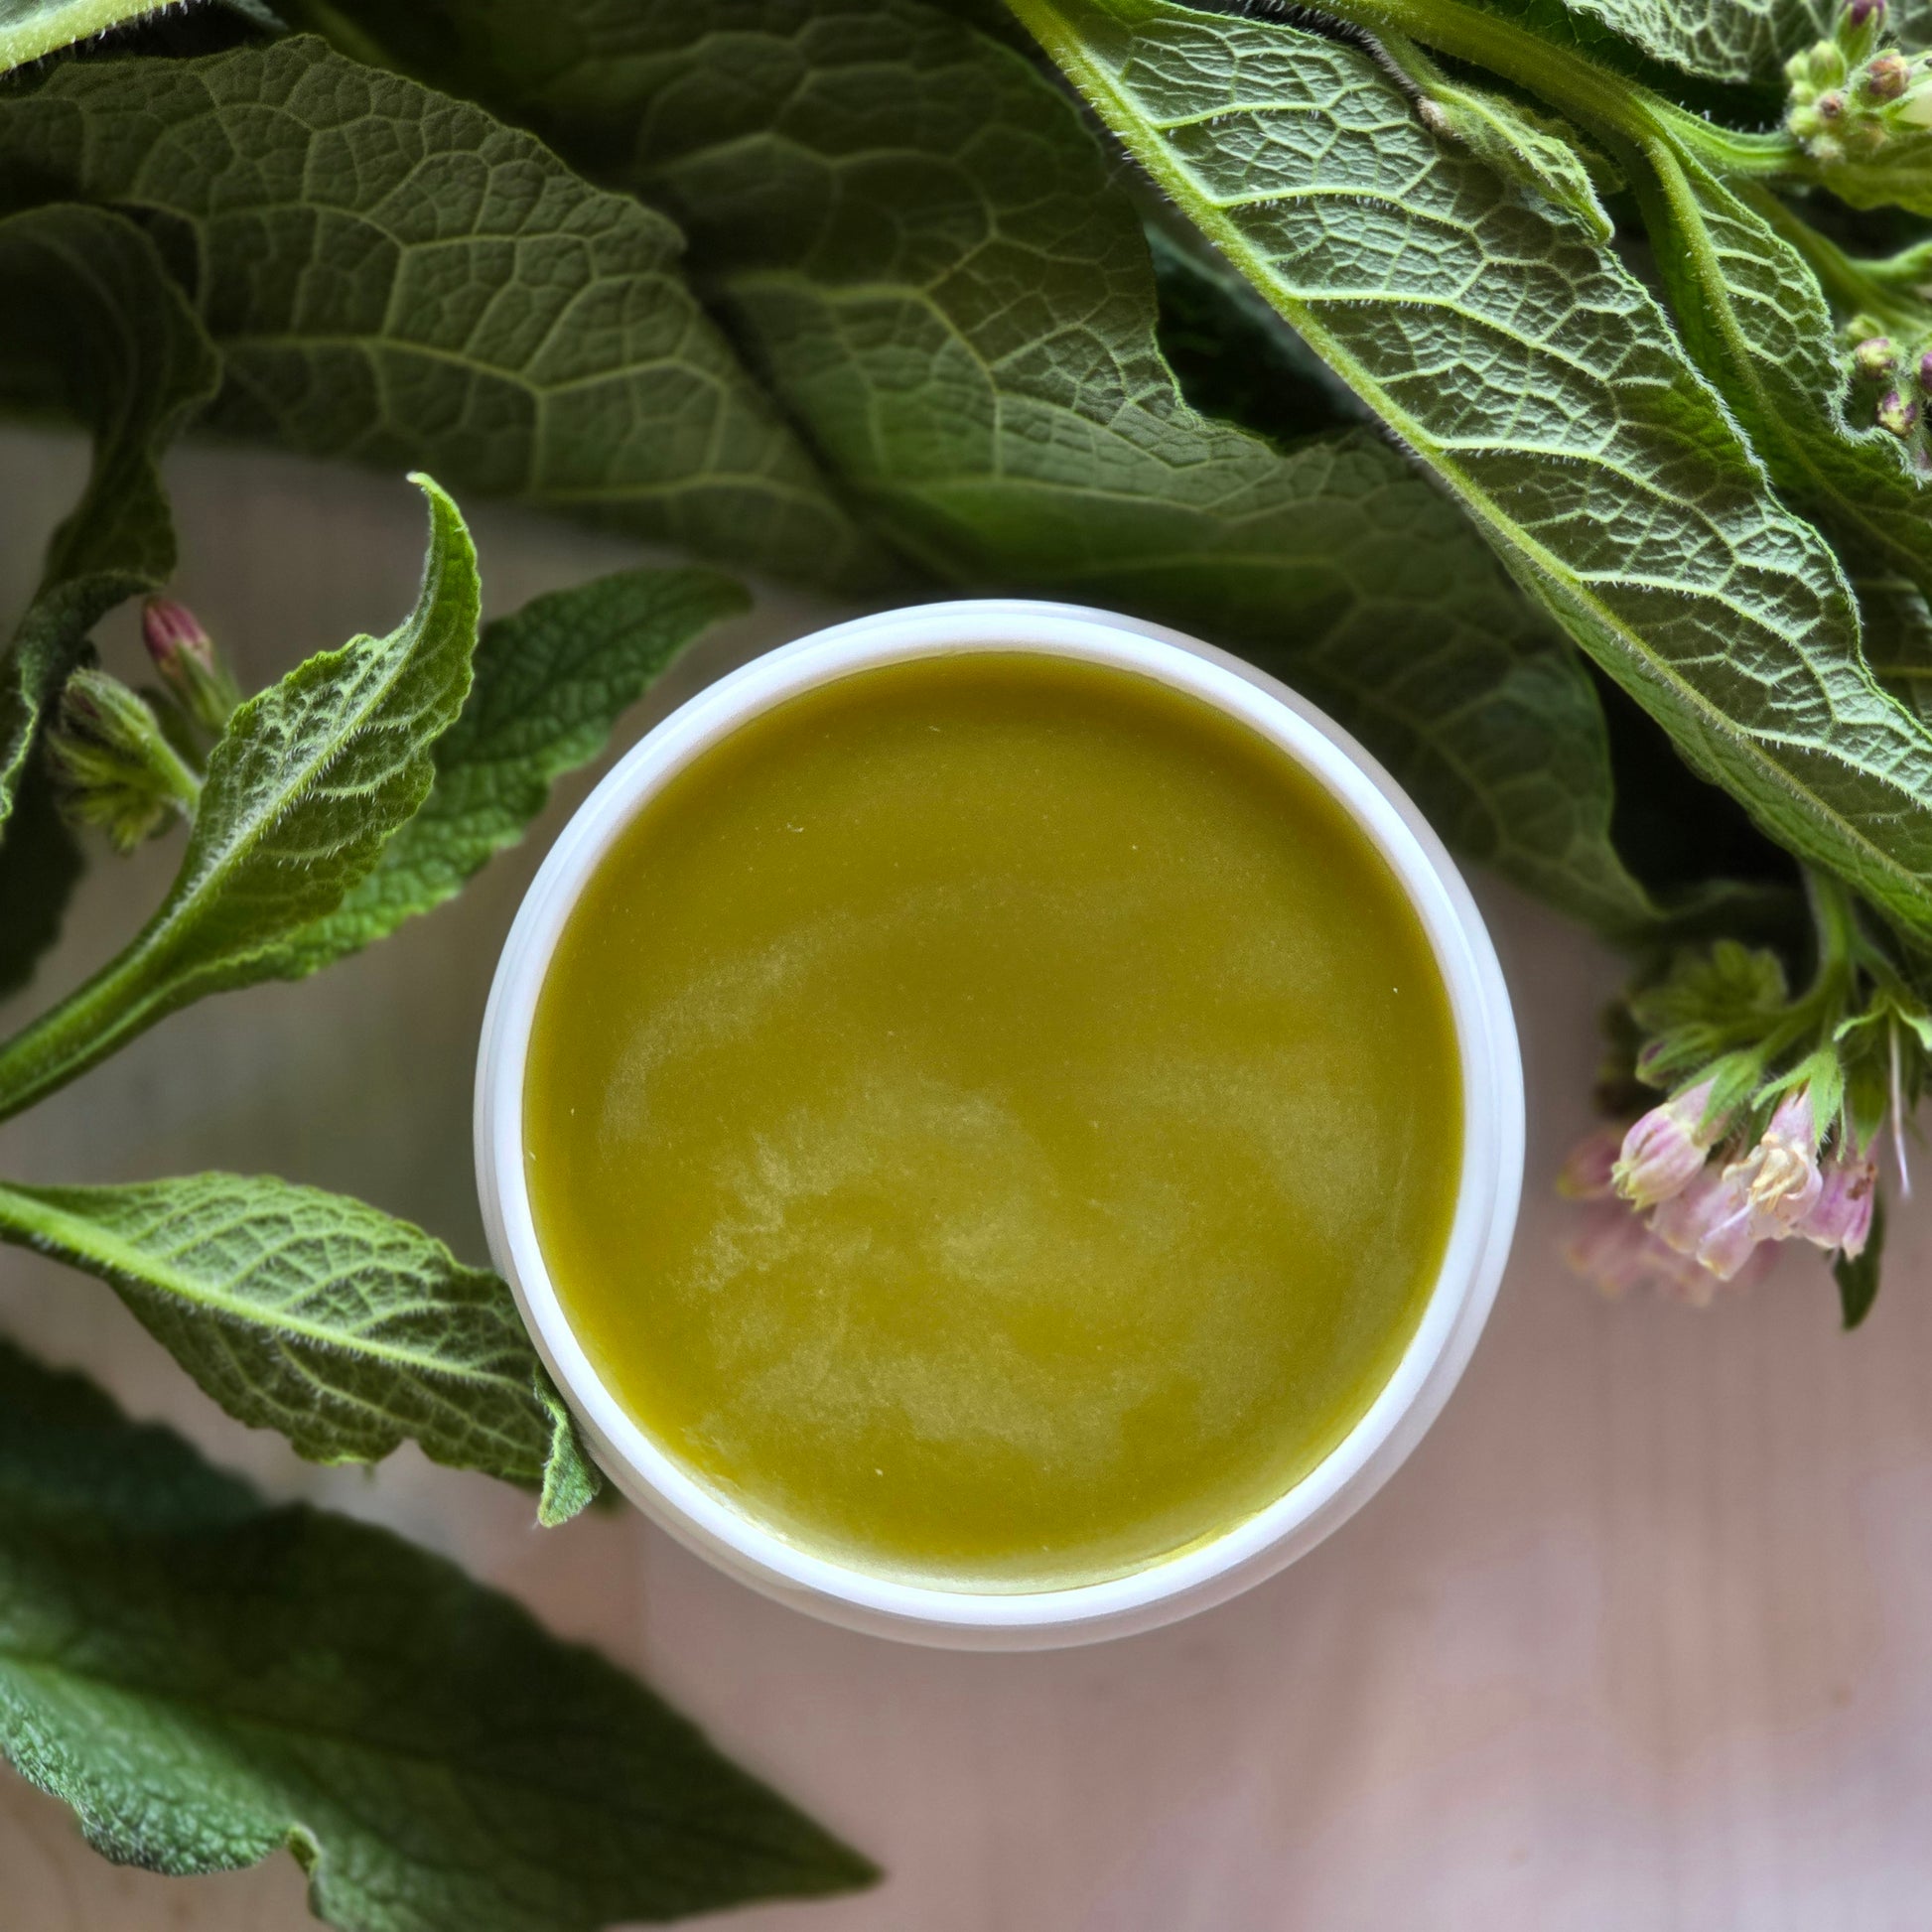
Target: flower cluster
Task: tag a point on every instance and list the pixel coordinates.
(1850, 97)
(1774, 1107)
(130, 763)
(1890, 379)
(1663, 1207)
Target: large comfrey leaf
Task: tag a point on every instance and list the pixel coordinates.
(918, 243)
(86, 305)
(550, 683)
(310, 780)
(395, 276)
(33, 29)
(1537, 378)
(205, 1680)
(314, 1315)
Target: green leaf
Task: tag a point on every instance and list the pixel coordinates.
(88, 313)
(1540, 382)
(1857, 1280)
(316, 1315)
(205, 1679)
(307, 785)
(31, 29)
(550, 683)
(1755, 317)
(396, 277)
(922, 249)
(40, 866)
(1736, 40)
(1532, 150)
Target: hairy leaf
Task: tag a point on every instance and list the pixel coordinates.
(1540, 382)
(205, 1678)
(1736, 40)
(396, 277)
(920, 244)
(311, 1314)
(1530, 149)
(87, 308)
(31, 29)
(550, 683)
(1756, 316)
(305, 787)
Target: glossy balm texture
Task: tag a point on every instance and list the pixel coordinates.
(995, 1119)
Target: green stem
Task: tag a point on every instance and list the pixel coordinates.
(126, 997)
(1618, 109)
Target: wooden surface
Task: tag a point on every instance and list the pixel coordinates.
(1640, 1638)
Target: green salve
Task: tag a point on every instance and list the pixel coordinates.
(996, 1118)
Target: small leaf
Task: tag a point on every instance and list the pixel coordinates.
(1857, 1280)
(396, 277)
(88, 313)
(310, 781)
(205, 1679)
(316, 1316)
(550, 683)
(1532, 150)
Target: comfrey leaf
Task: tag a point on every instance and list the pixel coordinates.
(1539, 381)
(1753, 311)
(397, 277)
(86, 305)
(1530, 149)
(305, 789)
(32, 29)
(205, 1678)
(550, 683)
(316, 1315)
(923, 248)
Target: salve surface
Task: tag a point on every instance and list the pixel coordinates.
(995, 1118)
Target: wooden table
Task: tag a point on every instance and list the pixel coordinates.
(1641, 1638)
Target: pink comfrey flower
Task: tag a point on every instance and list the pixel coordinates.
(1841, 1217)
(1711, 1222)
(1780, 1175)
(1663, 1151)
(1591, 1171)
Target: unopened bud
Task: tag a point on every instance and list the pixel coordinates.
(1925, 372)
(113, 767)
(1830, 105)
(1886, 76)
(1897, 413)
(1874, 358)
(190, 667)
(1860, 28)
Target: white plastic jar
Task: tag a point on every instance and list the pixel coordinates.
(1485, 1208)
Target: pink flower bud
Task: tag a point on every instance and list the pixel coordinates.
(1665, 1149)
(1897, 413)
(1867, 13)
(1841, 1217)
(1886, 76)
(190, 667)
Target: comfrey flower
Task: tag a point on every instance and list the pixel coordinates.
(1665, 1149)
(1780, 1175)
(1841, 1216)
